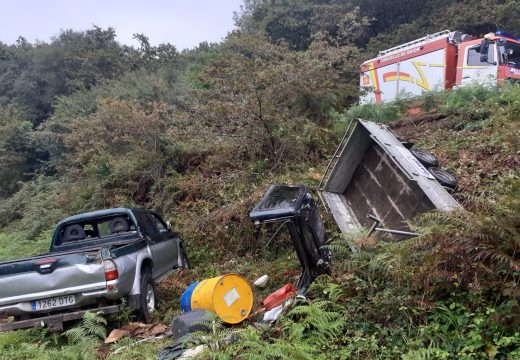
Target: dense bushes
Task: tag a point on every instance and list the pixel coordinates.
(87, 123)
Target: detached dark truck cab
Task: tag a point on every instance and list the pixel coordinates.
(95, 260)
(293, 206)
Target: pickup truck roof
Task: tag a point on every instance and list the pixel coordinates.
(99, 213)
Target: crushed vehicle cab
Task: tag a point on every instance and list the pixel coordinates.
(95, 260)
(293, 207)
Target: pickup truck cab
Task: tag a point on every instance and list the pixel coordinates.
(95, 260)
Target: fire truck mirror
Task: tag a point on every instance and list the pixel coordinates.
(484, 48)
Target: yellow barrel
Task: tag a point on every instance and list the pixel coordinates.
(229, 296)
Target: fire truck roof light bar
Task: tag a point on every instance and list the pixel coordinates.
(424, 39)
(508, 35)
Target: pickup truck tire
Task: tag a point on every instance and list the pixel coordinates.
(444, 178)
(185, 264)
(147, 298)
(425, 158)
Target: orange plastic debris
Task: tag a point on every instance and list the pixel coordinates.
(279, 296)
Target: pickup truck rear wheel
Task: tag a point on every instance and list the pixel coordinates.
(148, 297)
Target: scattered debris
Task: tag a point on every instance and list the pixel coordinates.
(276, 302)
(191, 353)
(189, 334)
(153, 338)
(137, 330)
(273, 314)
(261, 282)
(279, 296)
(190, 322)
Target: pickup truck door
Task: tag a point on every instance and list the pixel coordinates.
(163, 249)
(170, 240)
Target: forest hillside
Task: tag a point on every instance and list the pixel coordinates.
(88, 123)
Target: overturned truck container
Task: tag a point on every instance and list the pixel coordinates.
(375, 181)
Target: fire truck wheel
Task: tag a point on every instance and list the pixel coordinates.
(425, 158)
(444, 178)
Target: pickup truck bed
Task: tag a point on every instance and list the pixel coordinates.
(51, 276)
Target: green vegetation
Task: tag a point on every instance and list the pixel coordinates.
(87, 123)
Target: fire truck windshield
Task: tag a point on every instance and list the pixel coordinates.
(512, 54)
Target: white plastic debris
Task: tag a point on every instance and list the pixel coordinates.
(273, 314)
(261, 281)
(191, 353)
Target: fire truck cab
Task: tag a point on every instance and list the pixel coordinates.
(439, 62)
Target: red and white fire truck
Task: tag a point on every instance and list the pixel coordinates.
(439, 61)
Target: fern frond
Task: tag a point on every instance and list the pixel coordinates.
(91, 328)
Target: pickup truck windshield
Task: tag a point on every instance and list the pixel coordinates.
(96, 228)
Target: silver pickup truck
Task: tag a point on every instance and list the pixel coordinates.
(95, 260)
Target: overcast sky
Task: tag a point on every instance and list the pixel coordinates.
(183, 23)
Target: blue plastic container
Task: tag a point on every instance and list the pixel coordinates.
(186, 297)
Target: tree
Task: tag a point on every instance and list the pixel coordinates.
(120, 154)
(18, 157)
(260, 96)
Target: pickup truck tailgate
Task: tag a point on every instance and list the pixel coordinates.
(50, 276)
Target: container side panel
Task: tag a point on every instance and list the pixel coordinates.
(348, 161)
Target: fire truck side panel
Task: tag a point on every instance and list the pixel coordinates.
(418, 75)
(412, 76)
(387, 87)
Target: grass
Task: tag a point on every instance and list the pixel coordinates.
(18, 244)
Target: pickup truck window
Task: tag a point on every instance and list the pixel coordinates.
(159, 223)
(146, 221)
(95, 228)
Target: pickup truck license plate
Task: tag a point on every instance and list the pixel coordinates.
(52, 303)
